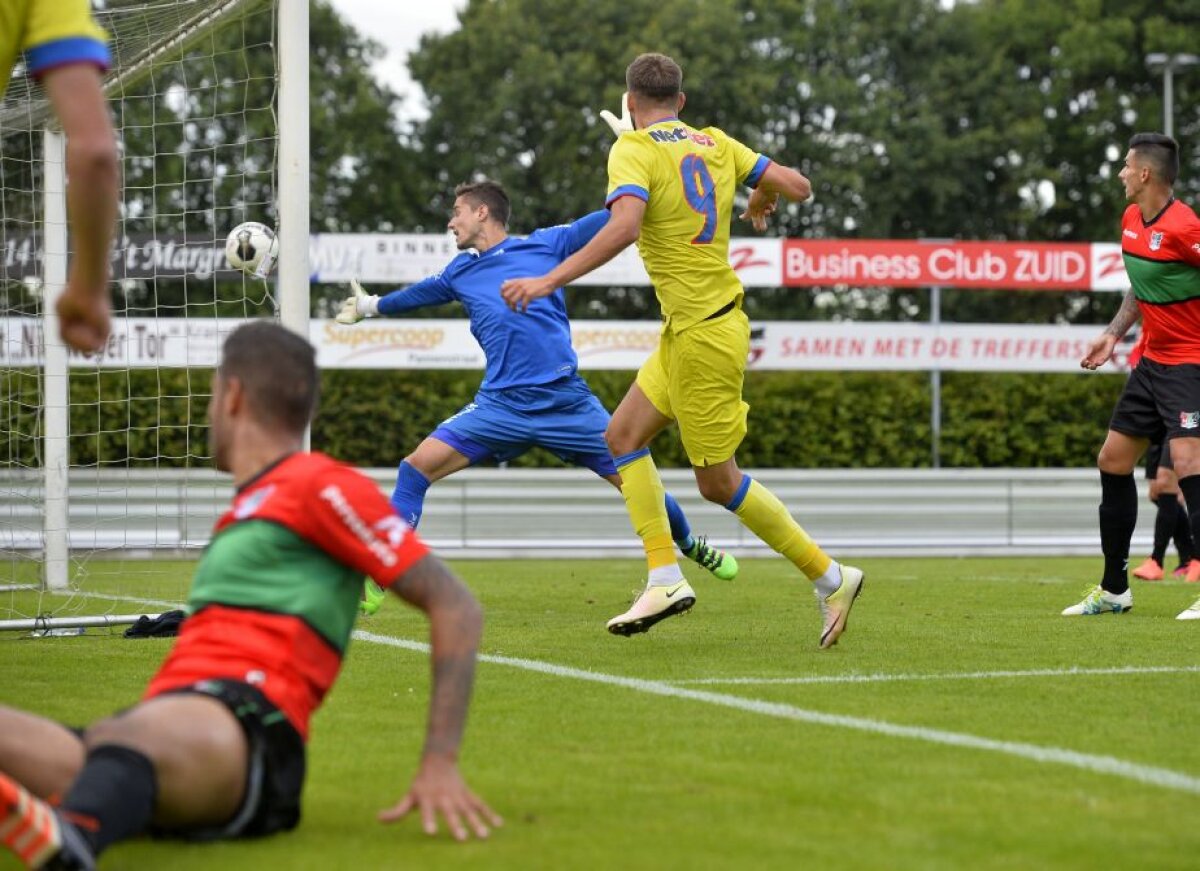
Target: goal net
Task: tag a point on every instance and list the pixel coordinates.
(104, 458)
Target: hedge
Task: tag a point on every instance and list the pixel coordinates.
(797, 419)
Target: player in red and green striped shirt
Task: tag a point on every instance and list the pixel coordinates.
(216, 747)
(1160, 241)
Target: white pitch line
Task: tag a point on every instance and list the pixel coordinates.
(1154, 776)
(160, 603)
(1148, 774)
(961, 675)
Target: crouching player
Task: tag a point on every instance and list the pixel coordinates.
(216, 747)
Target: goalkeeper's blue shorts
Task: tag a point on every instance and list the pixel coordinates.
(564, 417)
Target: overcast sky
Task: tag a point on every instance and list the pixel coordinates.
(398, 26)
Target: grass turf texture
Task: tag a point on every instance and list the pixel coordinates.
(589, 774)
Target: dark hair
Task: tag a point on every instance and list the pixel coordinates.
(655, 76)
(1160, 152)
(278, 371)
(487, 193)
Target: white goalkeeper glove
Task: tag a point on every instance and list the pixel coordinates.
(360, 305)
(624, 124)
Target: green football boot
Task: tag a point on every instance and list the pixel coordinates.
(720, 563)
(372, 597)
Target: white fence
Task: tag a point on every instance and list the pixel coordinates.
(535, 513)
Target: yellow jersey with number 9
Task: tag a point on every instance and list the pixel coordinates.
(51, 33)
(687, 178)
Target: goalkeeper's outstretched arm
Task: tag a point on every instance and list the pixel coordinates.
(360, 304)
(622, 230)
(624, 124)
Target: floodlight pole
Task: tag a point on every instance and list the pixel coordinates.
(1167, 64)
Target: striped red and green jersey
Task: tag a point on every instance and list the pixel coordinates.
(275, 596)
(1162, 260)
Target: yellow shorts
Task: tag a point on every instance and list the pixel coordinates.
(696, 378)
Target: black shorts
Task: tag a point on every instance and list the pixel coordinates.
(1159, 402)
(1157, 458)
(275, 773)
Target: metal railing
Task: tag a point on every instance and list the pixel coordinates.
(571, 513)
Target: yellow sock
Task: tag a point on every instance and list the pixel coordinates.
(643, 492)
(764, 515)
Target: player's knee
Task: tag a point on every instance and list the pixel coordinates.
(1114, 462)
(717, 490)
(102, 731)
(618, 441)
(1187, 467)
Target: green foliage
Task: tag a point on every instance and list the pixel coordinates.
(797, 419)
(803, 420)
(140, 418)
(913, 118)
(1025, 420)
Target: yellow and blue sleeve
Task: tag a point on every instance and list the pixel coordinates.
(62, 32)
(748, 164)
(628, 170)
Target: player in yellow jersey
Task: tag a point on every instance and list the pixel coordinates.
(65, 49)
(670, 189)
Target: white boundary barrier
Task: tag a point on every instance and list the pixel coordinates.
(569, 513)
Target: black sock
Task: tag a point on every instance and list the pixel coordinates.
(1183, 537)
(1164, 524)
(1190, 488)
(1118, 517)
(113, 797)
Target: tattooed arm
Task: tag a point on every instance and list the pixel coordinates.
(456, 623)
(1127, 315)
(1101, 348)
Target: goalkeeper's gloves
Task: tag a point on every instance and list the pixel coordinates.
(624, 124)
(360, 305)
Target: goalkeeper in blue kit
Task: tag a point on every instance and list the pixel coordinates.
(532, 394)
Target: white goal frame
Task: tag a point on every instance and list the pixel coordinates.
(293, 284)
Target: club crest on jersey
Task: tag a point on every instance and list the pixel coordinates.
(251, 502)
(1156, 240)
(1189, 419)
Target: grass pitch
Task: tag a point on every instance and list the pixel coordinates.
(961, 722)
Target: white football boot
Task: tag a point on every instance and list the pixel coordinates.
(653, 605)
(1100, 601)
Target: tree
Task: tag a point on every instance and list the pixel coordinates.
(200, 143)
(912, 119)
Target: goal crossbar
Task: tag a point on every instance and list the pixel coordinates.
(37, 112)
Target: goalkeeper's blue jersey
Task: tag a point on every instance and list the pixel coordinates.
(522, 349)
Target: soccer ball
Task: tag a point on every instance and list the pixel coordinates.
(252, 247)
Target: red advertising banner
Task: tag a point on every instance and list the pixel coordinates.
(896, 263)
(397, 259)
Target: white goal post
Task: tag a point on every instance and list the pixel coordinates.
(210, 102)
